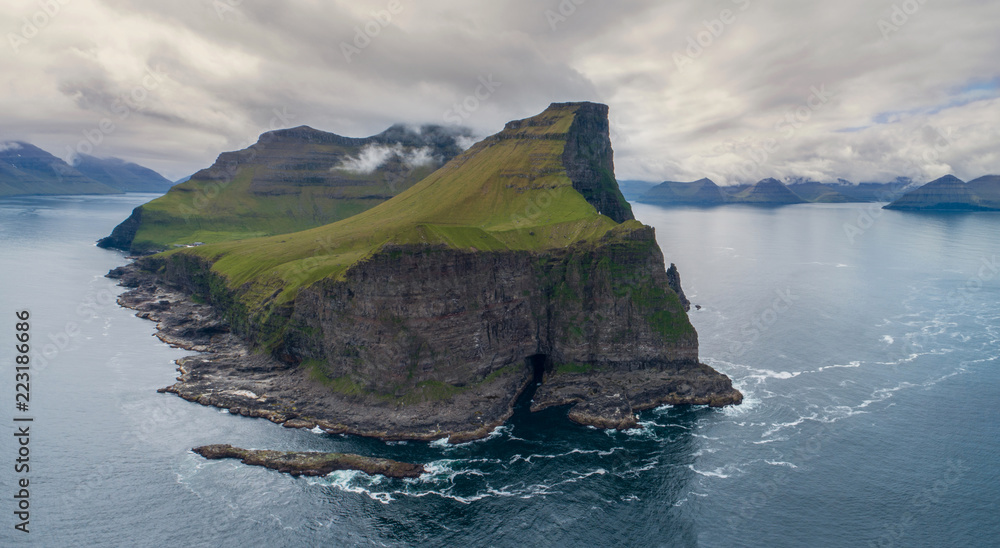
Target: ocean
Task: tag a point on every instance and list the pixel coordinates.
(865, 343)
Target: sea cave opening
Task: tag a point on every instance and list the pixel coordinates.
(539, 364)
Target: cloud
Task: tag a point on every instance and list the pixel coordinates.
(9, 145)
(228, 71)
(374, 156)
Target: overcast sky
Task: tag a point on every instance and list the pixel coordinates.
(735, 90)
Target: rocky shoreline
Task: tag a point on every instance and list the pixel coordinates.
(228, 374)
(311, 463)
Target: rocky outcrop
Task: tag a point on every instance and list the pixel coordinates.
(589, 162)
(311, 463)
(122, 235)
(674, 281)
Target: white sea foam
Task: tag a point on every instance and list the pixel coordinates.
(782, 425)
(888, 339)
(717, 473)
(851, 365)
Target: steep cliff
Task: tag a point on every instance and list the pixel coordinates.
(290, 180)
(427, 315)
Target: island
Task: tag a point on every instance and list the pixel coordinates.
(515, 267)
(949, 193)
(769, 192)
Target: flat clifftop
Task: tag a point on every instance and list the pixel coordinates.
(427, 315)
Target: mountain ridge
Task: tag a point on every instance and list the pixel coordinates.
(290, 180)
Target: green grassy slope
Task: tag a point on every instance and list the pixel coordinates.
(291, 180)
(509, 191)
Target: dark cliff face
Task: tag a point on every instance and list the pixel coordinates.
(413, 314)
(589, 162)
(123, 234)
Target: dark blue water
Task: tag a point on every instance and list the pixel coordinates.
(868, 357)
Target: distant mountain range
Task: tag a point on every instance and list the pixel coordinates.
(769, 192)
(125, 176)
(28, 170)
(949, 193)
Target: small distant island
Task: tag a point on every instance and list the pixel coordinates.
(767, 192)
(949, 193)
